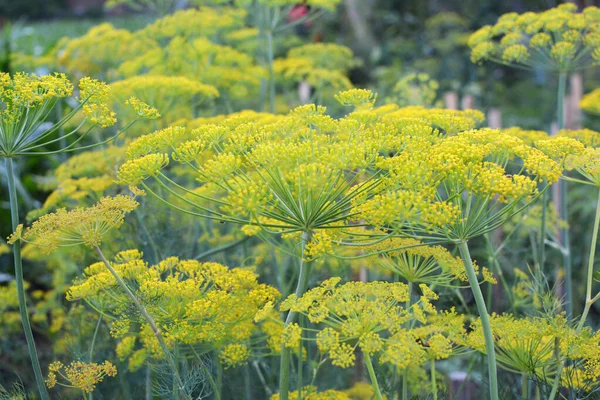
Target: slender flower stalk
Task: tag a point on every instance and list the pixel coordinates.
(589, 300)
(373, 377)
(563, 211)
(433, 380)
(16, 248)
(485, 320)
(284, 366)
(181, 393)
(405, 372)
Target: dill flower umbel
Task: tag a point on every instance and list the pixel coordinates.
(176, 97)
(558, 39)
(420, 264)
(233, 73)
(100, 51)
(370, 317)
(79, 375)
(475, 163)
(78, 226)
(319, 64)
(590, 103)
(26, 100)
(536, 345)
(415, 89)
(203, 305)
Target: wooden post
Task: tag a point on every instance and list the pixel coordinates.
(451, 100)
(467, 102)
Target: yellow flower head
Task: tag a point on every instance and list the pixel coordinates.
(78, 226)
(558, 39)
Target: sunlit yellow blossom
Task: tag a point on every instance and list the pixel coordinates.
(78, 226)
(558, 39)
(80, 375)
(193, 304)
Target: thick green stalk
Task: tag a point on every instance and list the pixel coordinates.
(219, 392)
(94, 337)
(14, 215)
(150, 320)
(373, 377)
(299, 378)
(284, 367)
(561, 90)
(524, 386)
(563, 210)
(148, 382)
(408, 305)
(433, 380)
(542, 238)
(589, 300)
(485, 319)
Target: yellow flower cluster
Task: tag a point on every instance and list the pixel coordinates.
(319, 64)
(203, 305)
(371, 317)
(100, 51)
(233, 73)
(559, 39)
(79, 375)
(10, 320)
(429, 177)
(306, 171)
(360, 391)
(190, 23)
(358, 98)
(590, 103)
(78, 226)
(415, 262)
(142, 109)
(416, 89)
(94, 97)
(534, 345)
(24, 100)
(311, 393)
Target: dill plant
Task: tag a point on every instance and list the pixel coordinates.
(26, 102)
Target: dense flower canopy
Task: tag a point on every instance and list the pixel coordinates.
(559, 39)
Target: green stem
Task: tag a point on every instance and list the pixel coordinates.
(542, 238)
(408, 305)
(563, 210)
(485, 319)
(247, 385)
(373, 377)
(270, 58)
(95, 336)
(284, 375)
(148, 382)
(562, 88)
(14, 215)
(433, 383)
(589, 301)
(524, 386)
(90, 395)
(590, 271)
(299, 378)
(150, 320)
(219, 391)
